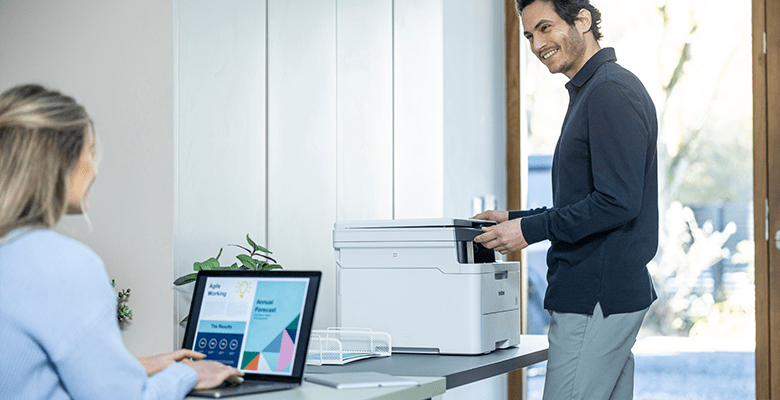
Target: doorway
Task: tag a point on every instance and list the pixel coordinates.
(697, 73)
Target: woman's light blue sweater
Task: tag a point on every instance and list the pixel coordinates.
(59, 336)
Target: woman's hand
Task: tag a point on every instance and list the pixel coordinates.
(212, 373)
(155, 364)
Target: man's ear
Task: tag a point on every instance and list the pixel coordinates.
(583, 21)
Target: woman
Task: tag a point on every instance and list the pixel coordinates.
(58, 327)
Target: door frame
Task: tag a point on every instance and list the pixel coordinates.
(766, 194)
(516, 389)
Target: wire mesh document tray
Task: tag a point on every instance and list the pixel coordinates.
(338, 346)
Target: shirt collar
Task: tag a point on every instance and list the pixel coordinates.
(586, 72)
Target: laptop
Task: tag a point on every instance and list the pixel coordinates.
(256, 321)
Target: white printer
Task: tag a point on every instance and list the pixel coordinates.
(427, 284)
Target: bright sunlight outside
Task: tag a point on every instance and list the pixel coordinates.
(694, 58)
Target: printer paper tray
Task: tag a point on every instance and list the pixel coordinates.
(338, 346)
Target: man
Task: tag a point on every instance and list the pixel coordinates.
(603, 226)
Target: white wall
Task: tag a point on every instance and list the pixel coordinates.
(418, 130)
(364, 107)
(474, 104)
(220, 140)
(302, 140)
(116, 58)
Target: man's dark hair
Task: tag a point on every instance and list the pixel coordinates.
(568, 11)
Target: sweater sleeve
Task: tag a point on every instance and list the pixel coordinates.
(84, 344)
(618, 141)
(97, 366)
(526, 213)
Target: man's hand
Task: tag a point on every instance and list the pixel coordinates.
(212, 373)
(498, 216)
(155, 364)
(504, 238)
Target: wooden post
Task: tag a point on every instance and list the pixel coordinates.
(516, 379)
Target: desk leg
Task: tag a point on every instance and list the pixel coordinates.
(516, 380)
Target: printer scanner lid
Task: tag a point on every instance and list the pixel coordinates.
(413, 223)
(455, 237)
(408, 230)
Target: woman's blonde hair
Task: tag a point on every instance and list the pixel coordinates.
(42, 133)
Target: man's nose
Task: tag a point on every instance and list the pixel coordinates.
(537, 44)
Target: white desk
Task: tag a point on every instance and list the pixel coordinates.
(429, 387)
(457, 370)
(436, 373)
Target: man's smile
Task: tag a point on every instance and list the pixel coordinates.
(548, 54)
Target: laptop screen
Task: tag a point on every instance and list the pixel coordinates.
(256, 321)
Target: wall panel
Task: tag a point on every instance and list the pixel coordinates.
(220, 140)
(474, 113)
(302, 169)
(418, 101)
(365, 109)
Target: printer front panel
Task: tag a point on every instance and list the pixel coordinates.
(500, 291)
(501, 329)
(439, 255)
(376, 235)
(423, 310)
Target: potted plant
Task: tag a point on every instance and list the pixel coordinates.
(123, 313)
(257, 258)
(248, 261)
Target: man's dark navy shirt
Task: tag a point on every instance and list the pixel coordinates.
(603, 225)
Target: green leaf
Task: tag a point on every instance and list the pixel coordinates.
(263, 249)
(210, 264)
(251, 242)
(241, 247)
(266, 257)
(248, 262)
(269, 267)
(256, 246)
(234, 267)
(186, 279)
(197, 266)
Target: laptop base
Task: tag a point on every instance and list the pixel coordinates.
(247, 387)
